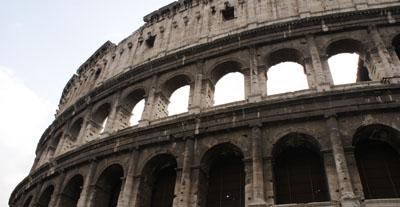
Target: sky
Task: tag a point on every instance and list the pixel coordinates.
(42, 44)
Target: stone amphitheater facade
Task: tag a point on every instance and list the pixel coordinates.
(329, 145)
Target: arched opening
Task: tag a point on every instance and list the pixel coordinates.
(28, 202)
(76, 129)
(228, 83)
(53, 145)
(158, 182)
(179, 101)
(72, 191)
(100, 117)
(299, 175)
(396, 45)
(378, 161)
(137, 112)
(132, 108)
(45, 198)
(286, 72)
(108, 187)
(346, 62)
(223, 178)
(175, 96)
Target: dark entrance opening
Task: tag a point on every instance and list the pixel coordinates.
(163, 190)
(225, 182)
(71, 193)
(157, 187)
(45, 198)
(379, 167)
(108, 187)
(299, 176)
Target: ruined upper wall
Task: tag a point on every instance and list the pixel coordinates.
(188, 23)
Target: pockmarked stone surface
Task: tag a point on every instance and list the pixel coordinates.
(329, 145)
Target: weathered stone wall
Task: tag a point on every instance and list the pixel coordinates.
(179, 26)
(92, 132)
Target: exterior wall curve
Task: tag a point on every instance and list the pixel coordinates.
(329, 113)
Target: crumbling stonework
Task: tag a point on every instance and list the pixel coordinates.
(91, 156)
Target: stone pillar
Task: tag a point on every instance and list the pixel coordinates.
(247, 83)
(326, 69)
(59, 145)
(147, 114)
(197, 104)
(111, 125)
(354, 174)
(185, 181)
(255, 87)
(258, 174)
(198, 187)
(134, 196)
(55, 200)
(269, 181)
(207, 93)
(347, 197)
(248, 186)
(85, 132)
(309, 71)
(330, 171)
(84, 199)
(126, 194)
(262, 78)
(177, 197)
(92, 131)
(319, 72)
(123, 115)
(383, 67)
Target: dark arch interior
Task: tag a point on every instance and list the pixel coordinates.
(378, 161)
(129, 103)
(158, 184)
(223, 69)
(101, 113)
(396, 45)
(285, 55)
(133, 98)
(108, 187)
(345, 46)
(45, 198)
(299, 175)
(28, 202)
(56, 140)
(174, 83)
(224, 184)
(71, 193)
(76, 128)
(362, 72)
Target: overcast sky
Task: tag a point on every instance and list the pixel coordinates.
(42, 43)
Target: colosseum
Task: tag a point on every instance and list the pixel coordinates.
(329, 145)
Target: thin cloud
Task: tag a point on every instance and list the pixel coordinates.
(23, 117)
